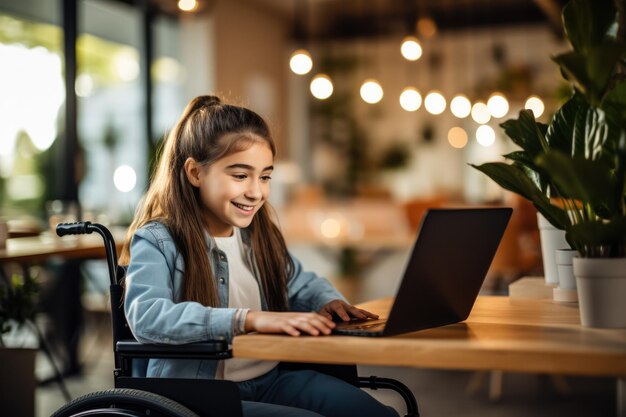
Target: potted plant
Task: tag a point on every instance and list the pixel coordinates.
(578, 159)
(18, 298)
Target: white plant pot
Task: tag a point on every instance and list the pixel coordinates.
(566, 291)
(601, 286)
(551, 240)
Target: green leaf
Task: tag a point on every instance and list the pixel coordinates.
(582, 179)
(526, 133)
(588, 22)
(616, 98)
(590, 72)
(513, 178)
(560, 133)
(597, 238)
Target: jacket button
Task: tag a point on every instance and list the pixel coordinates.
(222, 280)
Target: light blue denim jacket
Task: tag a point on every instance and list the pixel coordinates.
(153, 286)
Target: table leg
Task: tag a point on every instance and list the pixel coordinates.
(621, 397)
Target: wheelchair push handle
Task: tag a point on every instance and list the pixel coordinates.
(77, 228)
(81, 228)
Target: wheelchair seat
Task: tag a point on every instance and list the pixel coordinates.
(137, 395)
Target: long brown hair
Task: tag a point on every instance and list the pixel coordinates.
(207, 131)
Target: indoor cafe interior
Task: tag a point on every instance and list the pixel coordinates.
(380, 110)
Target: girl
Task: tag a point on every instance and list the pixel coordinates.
(206, 261)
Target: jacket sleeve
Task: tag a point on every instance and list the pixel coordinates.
(150, 304)
(309, 292)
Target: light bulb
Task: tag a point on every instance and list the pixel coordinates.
(480, 113)
(457, 137)
(535, 104)
(427, 27)
(485, 135)
(435, 103)
(371, 91)
(411, 48)
(301, 62)
(498, 105)
(460, 106)
(187, 5)
(410, 99)
(321, 86)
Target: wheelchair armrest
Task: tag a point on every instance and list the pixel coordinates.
(216, 349)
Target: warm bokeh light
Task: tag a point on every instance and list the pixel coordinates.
(31, 84)
(371, 91)
(411, 48)
(410, 99)
(435, 103)
(187, 5)
(124, 178)
(460, 106)
(321, 86)
(498, 105)
(535, 104)
(480, 113)
(457, 137)
(84, 85)
(426, 27)
(330, 228)
(301, 62)
(485, 135)
(126, 65)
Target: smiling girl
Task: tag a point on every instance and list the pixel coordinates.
(206, 261)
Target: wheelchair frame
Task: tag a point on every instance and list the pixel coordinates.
(173, 397)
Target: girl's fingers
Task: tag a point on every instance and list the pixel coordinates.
(304, 325)
(290, 330)
(368, 314)
(313, 324)
(341, 312)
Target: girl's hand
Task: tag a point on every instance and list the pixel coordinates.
(345, 311)
(293, 324)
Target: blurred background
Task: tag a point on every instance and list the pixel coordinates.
(377, 106)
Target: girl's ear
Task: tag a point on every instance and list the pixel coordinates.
(193, 170)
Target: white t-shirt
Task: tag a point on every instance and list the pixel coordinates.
(243, 292)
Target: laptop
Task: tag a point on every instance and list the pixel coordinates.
(448, 264)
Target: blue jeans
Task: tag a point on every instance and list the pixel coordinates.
(287, 393)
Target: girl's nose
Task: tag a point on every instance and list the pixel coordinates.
(254, 191)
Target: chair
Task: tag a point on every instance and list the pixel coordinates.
(140, 396)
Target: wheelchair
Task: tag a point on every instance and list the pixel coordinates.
(135, 396)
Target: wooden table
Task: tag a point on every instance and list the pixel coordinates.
(26, 251)
(29, 250)
(518, 335)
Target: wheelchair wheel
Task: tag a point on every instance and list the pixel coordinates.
(123, 403)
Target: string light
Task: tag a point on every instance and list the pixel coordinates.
(460, 106)
(371, 91)
(411, 48)
(301, 62)
(457, 137)
(480, 113)
(427, 27)
(321, 86)
(498, 105)
(187, 5)
(410, 99)
(535, 104)
(435, 103)
(485, 135)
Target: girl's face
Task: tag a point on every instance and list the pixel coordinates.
(234, 188)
